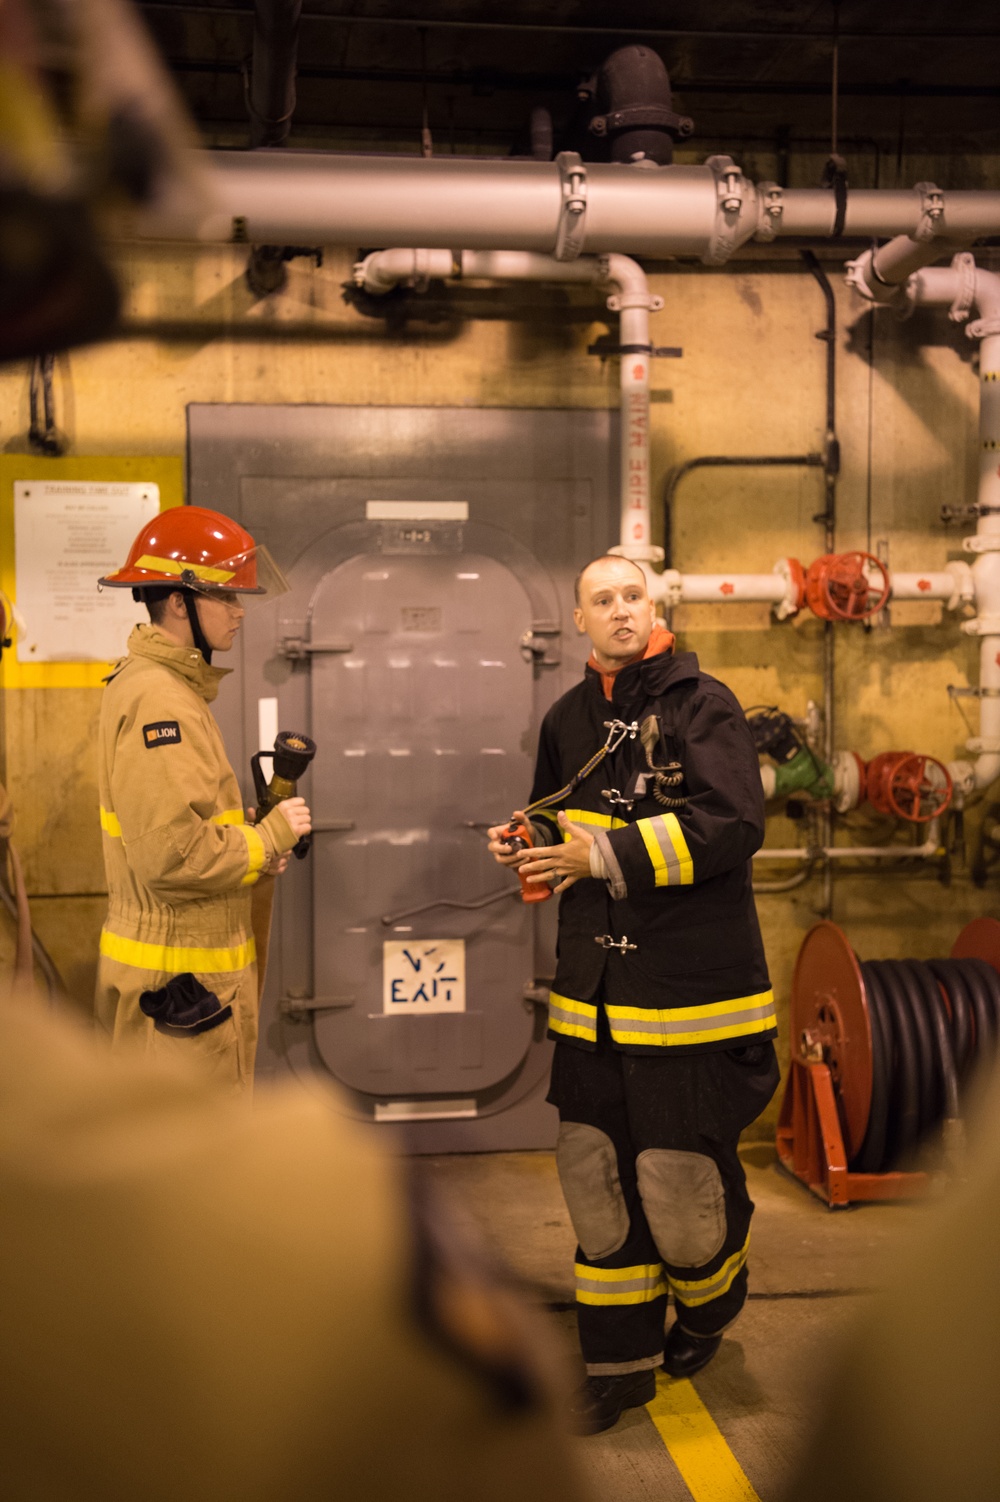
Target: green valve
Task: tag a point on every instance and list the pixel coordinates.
(805, 773)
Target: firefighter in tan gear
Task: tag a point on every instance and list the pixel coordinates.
(177, 964)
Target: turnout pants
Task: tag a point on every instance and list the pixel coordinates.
(655, 1190)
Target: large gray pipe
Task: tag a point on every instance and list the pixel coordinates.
(564, 207)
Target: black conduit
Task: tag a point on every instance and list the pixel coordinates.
(933, 1023)
(271, 86)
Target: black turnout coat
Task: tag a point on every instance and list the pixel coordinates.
(670, 942)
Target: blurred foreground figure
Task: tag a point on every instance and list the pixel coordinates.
(911, 1412)
(92, 137)
(200, 1304)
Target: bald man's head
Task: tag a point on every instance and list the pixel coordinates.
(613, 608)
(604, 558)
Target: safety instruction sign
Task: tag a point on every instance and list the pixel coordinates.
(67, 534)
(423, 976)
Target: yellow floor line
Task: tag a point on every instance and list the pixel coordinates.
(708, 1466)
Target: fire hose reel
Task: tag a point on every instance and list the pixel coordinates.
(847, 586)
(909, 786)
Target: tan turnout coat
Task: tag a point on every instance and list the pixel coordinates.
(180, 858)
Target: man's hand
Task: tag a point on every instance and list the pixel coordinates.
(498, 846)
(571, 860)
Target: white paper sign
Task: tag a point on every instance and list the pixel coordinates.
(425, 976)
(66, 535)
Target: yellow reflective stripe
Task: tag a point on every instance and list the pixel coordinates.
(620, 1285)
(667, 850)
(110, 824)
(229, 816)
(178, 567)
(175, 959)
(673, 1027)
(576, 1019)
(598, 821)
(695, 1291)
(256, 849)
(250, 879)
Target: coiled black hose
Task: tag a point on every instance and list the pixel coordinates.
(932, 1024)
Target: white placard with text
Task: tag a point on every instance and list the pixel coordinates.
(67, 534)
(422, 976)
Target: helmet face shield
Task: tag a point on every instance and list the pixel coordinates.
(250, 575)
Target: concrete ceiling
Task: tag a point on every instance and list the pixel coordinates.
(916, 80)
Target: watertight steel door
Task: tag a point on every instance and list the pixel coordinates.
(420, 699)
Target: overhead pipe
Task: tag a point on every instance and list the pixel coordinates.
(318, 198)
(271, 88)
(632, 301)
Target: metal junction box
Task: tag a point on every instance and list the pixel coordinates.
(431, 554)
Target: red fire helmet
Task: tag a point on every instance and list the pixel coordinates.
(194, 548)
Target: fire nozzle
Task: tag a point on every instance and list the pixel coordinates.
(291, 756)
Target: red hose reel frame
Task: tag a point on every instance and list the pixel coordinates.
(838, 586)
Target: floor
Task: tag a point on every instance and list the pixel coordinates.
(736, 1430)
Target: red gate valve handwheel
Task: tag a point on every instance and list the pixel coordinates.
(841, 586)
(909, 786)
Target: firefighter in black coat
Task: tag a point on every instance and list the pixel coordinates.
(661, 1008)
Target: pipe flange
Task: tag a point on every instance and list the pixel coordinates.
(982, 328)
(794, 575)
(848, 781)
(965, 588)
(618, 300)
(983, 745)
(965, 265)
(981, 625)
(572, 226)
(771, 198)
(670, 588)
(731, 192)
(931, 211)
(982, 542)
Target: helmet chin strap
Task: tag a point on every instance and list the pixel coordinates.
(199, 636)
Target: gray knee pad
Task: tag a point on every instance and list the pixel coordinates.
(685, 1205)
(588, 1171)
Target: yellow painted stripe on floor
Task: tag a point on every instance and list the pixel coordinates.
(710, 1469)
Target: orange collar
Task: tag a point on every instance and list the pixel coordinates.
(660, 640)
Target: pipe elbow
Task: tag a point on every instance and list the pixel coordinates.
(628, 277)
(383, 270)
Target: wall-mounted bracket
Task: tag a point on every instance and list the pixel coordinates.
(535, 642)
(301, 1008)
(297, 649)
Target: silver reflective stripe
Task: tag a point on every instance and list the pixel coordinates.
(634, 1285)
(659, 829)
(709, 1288)
(689, 1025)
(573, 1019)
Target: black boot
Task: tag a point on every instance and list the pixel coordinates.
(685, 1354)
(601, 1401)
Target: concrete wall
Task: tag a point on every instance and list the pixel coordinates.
(751, 380)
